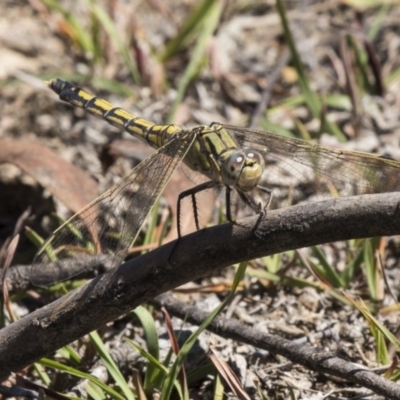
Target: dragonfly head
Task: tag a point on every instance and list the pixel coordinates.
(242, 169)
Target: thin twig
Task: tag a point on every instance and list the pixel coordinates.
(311, 357)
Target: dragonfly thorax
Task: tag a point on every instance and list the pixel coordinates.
(242, 169)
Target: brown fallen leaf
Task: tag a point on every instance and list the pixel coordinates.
(137, 150)
(228, 375)
(67, 183)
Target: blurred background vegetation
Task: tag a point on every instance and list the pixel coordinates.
(327, 71)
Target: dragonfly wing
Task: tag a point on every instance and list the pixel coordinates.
(109, 225)
(341, 171)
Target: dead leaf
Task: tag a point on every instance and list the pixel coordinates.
(69, 184)
(228, 375)
(130, 149)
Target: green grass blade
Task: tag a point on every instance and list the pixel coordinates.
(95, 392)
(198, 18)
(109, 25)
(156, 364)
(361, 61)
(33, 236)
(81, 36)
(153, 219)
(83, 375)
(219, 389)
(371, 269)
(42, 374)
(209, 25)
(325, 269)
(95, 34)
(377, 22)
(352, 267)
(69, 354)
(274, 128)
(382, 356)
(171, 378)
(111, 366)
(273, 263)
(153, 377)
(312, 100)
(145, 354)
(282, 279)
(374, 322)
(309, 95)
(200, 373)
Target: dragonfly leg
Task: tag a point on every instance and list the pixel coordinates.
(228, 213)
(192, 193)
(248, 201)
(263, 212)
(256, 207)
(269, 192)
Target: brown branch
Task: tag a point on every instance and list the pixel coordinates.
(142, 279)
(317, 359)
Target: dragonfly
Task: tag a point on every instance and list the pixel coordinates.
(235, 158)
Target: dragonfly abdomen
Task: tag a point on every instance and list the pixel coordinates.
(156, 135)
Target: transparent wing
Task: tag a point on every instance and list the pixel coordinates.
(110, 224)
(294, 162)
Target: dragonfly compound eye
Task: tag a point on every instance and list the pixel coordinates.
(242, 169)
(251, 172)
(232, 168)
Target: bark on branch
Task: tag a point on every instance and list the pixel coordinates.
(116, 292)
